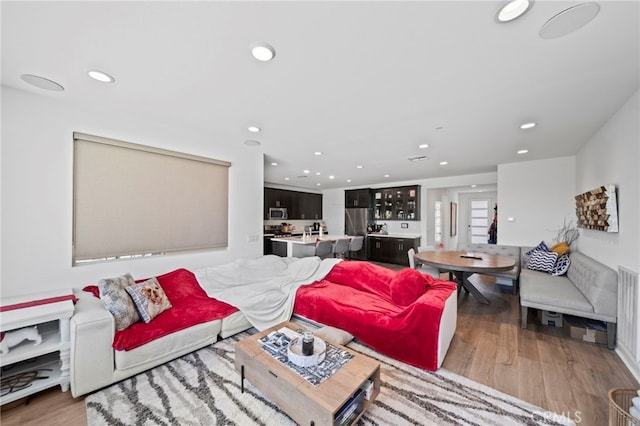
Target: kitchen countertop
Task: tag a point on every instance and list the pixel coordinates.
(312, 240)
(393, 235)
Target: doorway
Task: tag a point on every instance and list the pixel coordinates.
(479, 216)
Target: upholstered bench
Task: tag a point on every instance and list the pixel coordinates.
(588, 290)
(507, 278)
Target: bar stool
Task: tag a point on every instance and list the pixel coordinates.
(324, 248)
(355, 245)
(340, 247)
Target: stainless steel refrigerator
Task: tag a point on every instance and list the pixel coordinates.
(355, 223)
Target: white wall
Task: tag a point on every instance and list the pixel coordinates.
(613, 156)
(37, 184)
(538, 195)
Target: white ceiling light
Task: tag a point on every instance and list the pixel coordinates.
(528, 125)
(317, 173)
(274, 164)
(444, 163)
(318, 184)
(348, 180)
(317, 153)
(263, 52)
(359, 167)
(286, 178)
(254, 129)
(523, 151)
(41, 82)
(332, 177)
(473, 186)
(423, 145)
(101, 76)
(512, 10)
(306, 172)
(386, 176)
(252, 143)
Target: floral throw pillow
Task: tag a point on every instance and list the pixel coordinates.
(562, 265)
(149, 298)
(117, 301)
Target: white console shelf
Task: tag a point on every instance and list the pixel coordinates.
(51, 356)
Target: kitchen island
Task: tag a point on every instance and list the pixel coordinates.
(294, 244)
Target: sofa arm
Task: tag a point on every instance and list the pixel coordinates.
(92, 333)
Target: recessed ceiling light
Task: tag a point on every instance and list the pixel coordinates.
(252, 143)
(254, 129)
(423, 145)
(318, 184)
(274, 164)
(348, 180)
(286, 178)
(473, 186)
(332, 177)
(513, 9)
(386, 175)
(569, 20)
(317, 173)
(41, 82)
(317, 153)
(444, 163)
(306, 172)
(528, 125)
(523, 151)
(263, 52)
(359, 167)
(101, 76)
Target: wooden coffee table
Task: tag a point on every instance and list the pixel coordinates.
(305, 403)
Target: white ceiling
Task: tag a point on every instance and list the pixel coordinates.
(363, 82)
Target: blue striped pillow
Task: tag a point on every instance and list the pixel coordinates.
(526, 256)
(542, 261)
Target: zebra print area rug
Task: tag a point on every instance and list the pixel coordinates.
(203, 388)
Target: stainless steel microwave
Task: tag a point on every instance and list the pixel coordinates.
(278, 213)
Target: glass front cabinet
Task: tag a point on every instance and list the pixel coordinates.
(402, 203)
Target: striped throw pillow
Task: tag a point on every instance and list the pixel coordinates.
(542, 261)
(526, 256)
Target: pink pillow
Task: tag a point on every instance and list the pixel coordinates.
(407, 286)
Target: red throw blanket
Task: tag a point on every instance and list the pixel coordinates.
(191, 306)
(395, 313)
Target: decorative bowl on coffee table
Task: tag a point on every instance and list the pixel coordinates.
(294, 352)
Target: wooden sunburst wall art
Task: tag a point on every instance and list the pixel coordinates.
(597, 209)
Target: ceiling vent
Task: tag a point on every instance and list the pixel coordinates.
(418, 158)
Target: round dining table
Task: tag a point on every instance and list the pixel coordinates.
(464, 264)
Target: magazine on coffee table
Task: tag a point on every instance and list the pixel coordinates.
(276, 343)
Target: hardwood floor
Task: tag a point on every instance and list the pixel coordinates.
(539, 365)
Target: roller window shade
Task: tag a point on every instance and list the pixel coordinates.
(132, 199)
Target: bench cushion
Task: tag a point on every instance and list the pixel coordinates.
(543, 291)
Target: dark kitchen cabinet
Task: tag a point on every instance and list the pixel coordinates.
(402, 203)
(299, 205)
(391, 250)
(357, 198)
(307, 206)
